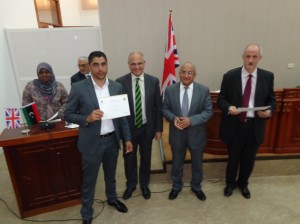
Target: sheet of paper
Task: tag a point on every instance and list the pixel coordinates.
(245, 109)
(71, 125)
(114, 106)
(52, 120)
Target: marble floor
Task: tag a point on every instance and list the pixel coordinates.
(274, 185)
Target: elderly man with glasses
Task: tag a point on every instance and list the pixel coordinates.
(187, 106)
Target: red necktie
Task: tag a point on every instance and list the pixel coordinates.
(246, 97)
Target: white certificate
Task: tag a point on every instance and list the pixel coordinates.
(245, 109)
(114, 106)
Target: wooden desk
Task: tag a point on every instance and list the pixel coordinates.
(288, 131)
(45, 168)
(217, 147)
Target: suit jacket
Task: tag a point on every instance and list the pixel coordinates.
(77, 77)
(231, 94)
(153, 103)
(200, 112)
(82, 101)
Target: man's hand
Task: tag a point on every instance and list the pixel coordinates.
(264, 113)
(128, 147)
(182, 122)
(96, 115)
(157, 135)
(233, 111)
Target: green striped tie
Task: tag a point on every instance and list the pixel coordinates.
(138, 105)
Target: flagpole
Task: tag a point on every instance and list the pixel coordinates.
(171, 59)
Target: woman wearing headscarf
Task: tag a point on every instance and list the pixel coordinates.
(49, 95)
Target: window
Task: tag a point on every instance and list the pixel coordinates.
(48, 13)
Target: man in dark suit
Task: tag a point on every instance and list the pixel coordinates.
(150, 123)
(84, 70)
(187, 106)
(98, 139)
(244, 132)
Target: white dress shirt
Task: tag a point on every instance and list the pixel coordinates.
(107, 126)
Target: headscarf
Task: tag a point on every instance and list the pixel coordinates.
(47, 89)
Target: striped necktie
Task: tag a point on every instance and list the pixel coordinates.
(138, 105)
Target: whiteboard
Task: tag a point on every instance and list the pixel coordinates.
(60, 47)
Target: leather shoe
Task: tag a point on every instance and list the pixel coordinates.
(228, 190)
(119, 206)
(146, 192)
(173, 194)
(200, 195)
(87, 221)
(245, 192)
(128, 193)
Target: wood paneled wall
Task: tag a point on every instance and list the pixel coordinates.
(282, 133)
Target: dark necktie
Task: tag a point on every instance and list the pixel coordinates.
(246, 97)
(185, 103)
(138, 105)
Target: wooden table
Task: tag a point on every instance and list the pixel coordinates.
(45, 168)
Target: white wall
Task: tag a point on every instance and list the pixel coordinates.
(209, 33)
(60, 47)
(73, 15)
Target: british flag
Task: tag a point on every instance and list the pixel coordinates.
(171, 58)
(12, 117)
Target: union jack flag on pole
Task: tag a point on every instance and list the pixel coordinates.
(171, 58)
(12, 118)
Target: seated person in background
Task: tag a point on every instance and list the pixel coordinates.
(49, 95)
(84, 70)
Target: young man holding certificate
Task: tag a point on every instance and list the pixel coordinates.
(98, 138)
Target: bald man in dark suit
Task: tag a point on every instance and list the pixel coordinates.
(243, 133)
(84, 70)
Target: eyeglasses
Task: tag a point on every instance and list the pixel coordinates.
(188, 73)
(136, 64)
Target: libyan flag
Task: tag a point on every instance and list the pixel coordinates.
(31, 114)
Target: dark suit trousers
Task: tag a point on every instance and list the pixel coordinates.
(107, 154)
(178, 157)
(144, 145)
(241, 155)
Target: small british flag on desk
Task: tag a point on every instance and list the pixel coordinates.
(12, 117)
